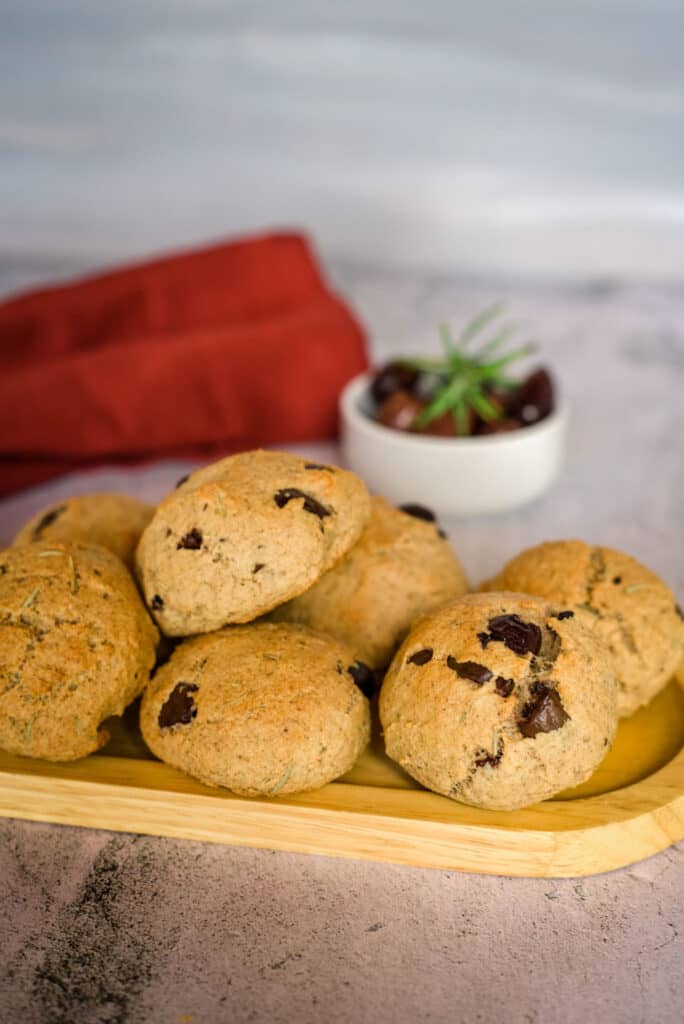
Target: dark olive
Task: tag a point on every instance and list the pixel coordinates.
(505, 398)
(443, 426)
(428, 384)
(499, 426)
(534, 400)
(393, 377)
(399, 411)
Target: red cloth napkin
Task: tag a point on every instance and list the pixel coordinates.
(199, 354)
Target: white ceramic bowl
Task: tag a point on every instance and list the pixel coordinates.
(453, 476)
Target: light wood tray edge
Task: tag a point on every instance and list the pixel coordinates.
(568, 838)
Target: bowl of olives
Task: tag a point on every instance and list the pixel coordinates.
(462, 433)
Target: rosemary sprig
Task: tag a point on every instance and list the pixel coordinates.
(468, 378)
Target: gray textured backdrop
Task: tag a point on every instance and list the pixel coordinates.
(542, 135)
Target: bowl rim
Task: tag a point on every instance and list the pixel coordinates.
(515, 438)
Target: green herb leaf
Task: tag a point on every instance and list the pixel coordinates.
(478, 322)
(510, 357)
(445, 399)
(31, 598)
(447, 339)
(497, 341)
(461, 418)
(425, 365)
(487, 409)
(467, 377)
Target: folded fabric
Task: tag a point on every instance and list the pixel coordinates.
(203, 353)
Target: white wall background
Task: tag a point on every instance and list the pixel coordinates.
(530, 136)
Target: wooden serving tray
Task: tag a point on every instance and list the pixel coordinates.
(632, 807)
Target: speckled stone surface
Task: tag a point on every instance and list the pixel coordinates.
(116, 929)
(132, 929)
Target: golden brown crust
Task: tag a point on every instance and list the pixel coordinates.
(401, 568)
(627, 606)
(245, 534)
(497, 712)
(261, 709)
(115, 521)
(76, 647)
